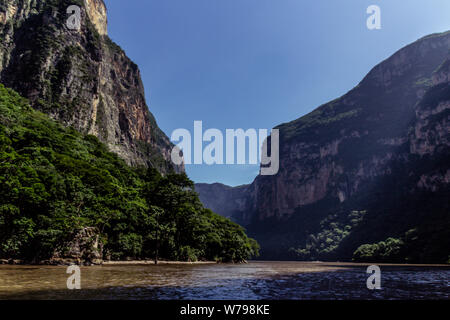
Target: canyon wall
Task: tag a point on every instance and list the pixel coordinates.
(80, 77)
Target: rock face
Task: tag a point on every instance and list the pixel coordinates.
(85, 247)
(394, 126)
(96, 11)
(339, 147)
(80, 77)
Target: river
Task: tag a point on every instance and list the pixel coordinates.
(254, 281)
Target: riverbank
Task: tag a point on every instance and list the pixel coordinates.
(66, 262)
(147, 262)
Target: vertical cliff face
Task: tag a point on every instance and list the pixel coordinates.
(343, 145)
(80, 77)
(96, 11)
(373, 150)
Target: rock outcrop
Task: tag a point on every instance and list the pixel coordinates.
(80, 77)
(85, 247)
(96, 11)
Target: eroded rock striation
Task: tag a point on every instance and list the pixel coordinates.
(372, 151)
(80, 77)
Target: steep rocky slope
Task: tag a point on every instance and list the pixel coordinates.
(80, 77)
(230, 202)
(369, 165)
(64, 198)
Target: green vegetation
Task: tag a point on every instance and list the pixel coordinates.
(428, 243)
(390, 250)
(330, 114)
(326, 242)
(385, 222)
(55, 181)
(386, 169)
(427, 82)
(396, 227)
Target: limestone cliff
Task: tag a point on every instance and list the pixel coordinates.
(80, 77)
(343, 145)
(373, 150)
(96, 11)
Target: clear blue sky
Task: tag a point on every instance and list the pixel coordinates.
(258, 63)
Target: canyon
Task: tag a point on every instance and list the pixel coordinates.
(368, 168)
(363, 156)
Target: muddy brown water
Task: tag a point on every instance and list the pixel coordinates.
(254, 281)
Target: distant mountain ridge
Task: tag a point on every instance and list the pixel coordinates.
(367, 166)
(230, 202)
(81, 78)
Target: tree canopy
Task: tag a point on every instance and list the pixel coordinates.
(55, 181)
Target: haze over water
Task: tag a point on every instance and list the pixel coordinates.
(255, 281)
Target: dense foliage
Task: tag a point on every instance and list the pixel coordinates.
(396, 227)
(387, 222)
(383, 251)
(333, 230)
(55, 181)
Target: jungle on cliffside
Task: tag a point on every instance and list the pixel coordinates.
(85, 172)
(58, 185)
